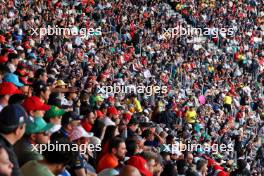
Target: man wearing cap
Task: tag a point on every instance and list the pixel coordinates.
(11, 130)
(112, 117)
(54, 116)
(13, 78)
(35, 107)
(80, 137)
(6, 90)
(37, 133)
(69, 98)
(68, 122)
(141, 164)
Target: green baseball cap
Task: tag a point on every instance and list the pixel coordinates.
(54, 112)
(39, 125)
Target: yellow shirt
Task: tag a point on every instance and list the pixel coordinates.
(228, 100)
(138, 106)
(191, 116)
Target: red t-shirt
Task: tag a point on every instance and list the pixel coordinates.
(107, 161)
(87, 126)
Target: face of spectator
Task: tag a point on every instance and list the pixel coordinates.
(120, 152)
(151, 165)
(56, 120)
(42, 138)
(91, 118)
(45, 95)
(44, 77)
(38, 113)
(190, 158)
(73, 124)
(73, 96)
(204, 169)
(5, 164)
(20, 131)
(5, 100)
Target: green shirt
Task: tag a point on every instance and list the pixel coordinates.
(34, 168)
(25, 152)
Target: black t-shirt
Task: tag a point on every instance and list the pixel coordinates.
(12, 156)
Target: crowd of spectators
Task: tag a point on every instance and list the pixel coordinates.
(54, 88)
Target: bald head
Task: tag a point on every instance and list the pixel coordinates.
(129, 171)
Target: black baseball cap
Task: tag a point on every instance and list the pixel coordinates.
(133, 121)
(12, 116)
(69, 117)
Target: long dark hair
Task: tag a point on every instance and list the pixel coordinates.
(109, 133)
(98, 128)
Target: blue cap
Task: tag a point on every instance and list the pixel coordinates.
(12, 116)
(13, 78)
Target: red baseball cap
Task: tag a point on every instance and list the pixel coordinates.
(34, 103)
(112, 110)
(127, 116)
(7, 88)
(139, 163)
(99, 113)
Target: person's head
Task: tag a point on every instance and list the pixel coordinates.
(133, 124)
(79, 136)
(98, 128)
(41, 90)
(181, 166)
(58, 159)
(189, 157)
(35, 107)
(89, 116)
(169, 169)
(241, 164)
(117, 147)
(151, 159)
(6, 90)
(38, 132)
(112, 113)
(41, 75)
(13, 58)
(54, 115)
(129, 171)
(71, 94)
(202, 166)
(17, 99)
(110, 132)
(148, 135)
(70, 120)
(6, 165)
(13, 127)
(141, 164)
